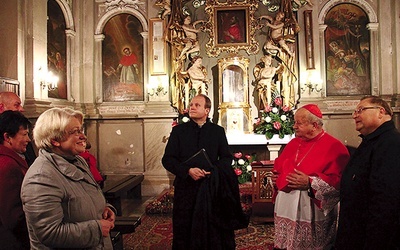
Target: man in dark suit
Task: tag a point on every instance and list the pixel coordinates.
(369, 215)
(11, 101)
(204, 185)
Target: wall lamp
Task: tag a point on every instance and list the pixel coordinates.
(48, 79)
(312, 84)
(158, 86)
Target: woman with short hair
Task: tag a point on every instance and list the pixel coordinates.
(63, 204)
(14, 131)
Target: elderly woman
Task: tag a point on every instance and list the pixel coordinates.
(63, 204)
(14, 130)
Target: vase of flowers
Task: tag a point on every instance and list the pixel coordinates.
(276, 119)
(242, 166)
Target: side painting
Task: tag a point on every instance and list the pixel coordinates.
(123, 59)
(347, 51)
(56, 49)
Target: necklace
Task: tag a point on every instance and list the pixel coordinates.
(298, 149)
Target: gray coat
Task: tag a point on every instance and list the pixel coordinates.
(63, 204)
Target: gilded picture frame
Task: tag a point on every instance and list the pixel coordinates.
(239, 16)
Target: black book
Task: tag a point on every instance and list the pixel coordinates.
(200, 159)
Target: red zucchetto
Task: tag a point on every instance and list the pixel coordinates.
(313, 110)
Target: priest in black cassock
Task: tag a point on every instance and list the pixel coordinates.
(206, 207)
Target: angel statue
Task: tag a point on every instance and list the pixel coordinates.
(265, 85)
(198, 77)
(191, 41)
(281, 37)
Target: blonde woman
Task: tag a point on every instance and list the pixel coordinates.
(63, 204)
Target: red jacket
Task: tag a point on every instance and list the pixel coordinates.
(13, 230)
(92, 162)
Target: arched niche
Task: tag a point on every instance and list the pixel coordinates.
(372, 26)
(99, 38)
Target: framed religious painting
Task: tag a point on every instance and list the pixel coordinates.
(122, 59)
(347, 51)
(57, 50)
(231, 27)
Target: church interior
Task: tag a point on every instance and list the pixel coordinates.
(132, 67)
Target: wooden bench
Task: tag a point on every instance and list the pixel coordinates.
(123, 225)
(126, 225)
(117, 187)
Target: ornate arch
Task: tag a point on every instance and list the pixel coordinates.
(109, 14)
(66, 9)
(361, 3)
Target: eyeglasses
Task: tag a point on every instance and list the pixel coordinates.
(77, 131)
(360, 110)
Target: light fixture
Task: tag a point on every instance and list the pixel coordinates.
(48, 79)
(313, 84)
(157, 86)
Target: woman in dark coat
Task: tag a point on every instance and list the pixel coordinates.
(14, 130)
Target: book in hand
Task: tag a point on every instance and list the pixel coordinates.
(200, 159)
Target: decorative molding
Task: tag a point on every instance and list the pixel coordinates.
(122, 4)
(121, 109)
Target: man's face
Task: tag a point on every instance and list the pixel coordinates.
(197, 110)
(367, 116)
(302, 127)
(12, 102)
(127, 51)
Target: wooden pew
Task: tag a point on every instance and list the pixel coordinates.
(117, 187)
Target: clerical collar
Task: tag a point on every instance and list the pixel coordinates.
(201, 124)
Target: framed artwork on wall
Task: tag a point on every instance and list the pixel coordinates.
(347, 51)
(57, 49)
(231, 27)
(122, 59)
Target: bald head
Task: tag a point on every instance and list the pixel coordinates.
(10, 101)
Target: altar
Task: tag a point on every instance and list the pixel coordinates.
(274, 144)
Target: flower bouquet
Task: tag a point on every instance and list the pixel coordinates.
(182, 118)
(242, 166)
(275, 119)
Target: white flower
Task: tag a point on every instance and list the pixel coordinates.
(249, 168)
(233, 163)
(275, 110)
(283, 117)
(185, 119)
(241, 162)
(268, 119)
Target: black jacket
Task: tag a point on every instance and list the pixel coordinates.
(370, 193)
(205, 212)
